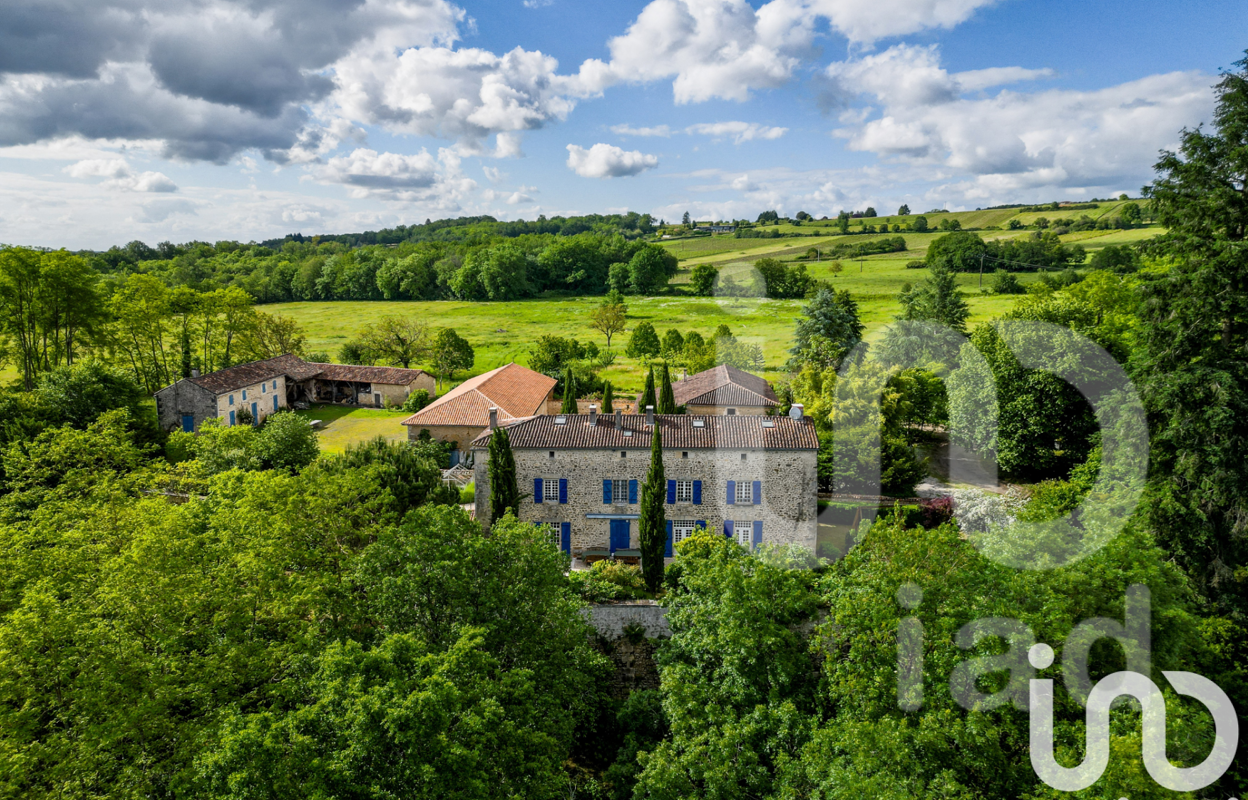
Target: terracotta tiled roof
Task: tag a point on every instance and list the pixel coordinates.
(724, 386)
(680, 431)
(395, 376)
(514, 390)
(237, 377)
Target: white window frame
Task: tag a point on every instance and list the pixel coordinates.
(619, 491)
(745, 493)
(744, 531)
(554, 533)
(684, 490)
(550, 490)
(682, 529)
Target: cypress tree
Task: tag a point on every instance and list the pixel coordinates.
(667, 400)
(569, 393)
(607, 397)
(647, 397)
(651, 520)
(504, 495)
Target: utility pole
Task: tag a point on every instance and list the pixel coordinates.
(981, 270)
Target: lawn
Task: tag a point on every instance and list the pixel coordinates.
(344, 425)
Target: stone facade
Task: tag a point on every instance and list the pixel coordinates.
(184, 398)
(788, 507)
(396, 394)
(459, 435)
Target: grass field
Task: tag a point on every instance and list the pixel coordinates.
(344, 425)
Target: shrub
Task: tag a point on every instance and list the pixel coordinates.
(936, 511)
(468, 493)
(1005, 282)
(416, 401)
(609, 580)
(287, 442)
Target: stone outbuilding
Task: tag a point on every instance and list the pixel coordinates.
(725, 390)
(259, 388)
(460, 415)
(752, 478)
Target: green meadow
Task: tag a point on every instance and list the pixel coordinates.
(505, 332)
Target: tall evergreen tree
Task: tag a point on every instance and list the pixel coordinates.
(1191, 365)
(651, 520)
(828, 329)
(504, 494)
(667, 400)
(647, 397)
(569, 393)
(936, 300)
(608, 396)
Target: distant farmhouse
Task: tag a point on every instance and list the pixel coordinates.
(725, 390)
(460, 415)
(264, 387)
(751, 478)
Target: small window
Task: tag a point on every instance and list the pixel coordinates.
(619, 492)
(769, 423)
(744, 492)
(561, 420)
(552, 453)
(550, 490)
(275, 386)
(551, 529)
(684, 453)
(743, 456)
(732, 412)
(684, 491)
(682, 529)
(623, 454)
(699, 423)
(628, 433)
(743, 529)
(244, 395)
(263, 388)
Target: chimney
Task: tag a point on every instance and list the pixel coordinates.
(797, 411)
(593, 414)
(493, 418)
(194, 373)
(650, 416)
(619, 419)
(684, 373)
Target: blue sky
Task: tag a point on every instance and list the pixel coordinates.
(185, 120)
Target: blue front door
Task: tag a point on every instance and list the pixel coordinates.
(255, 417)
(188, 423)
(619, 534)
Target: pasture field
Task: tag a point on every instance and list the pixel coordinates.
(504, 332)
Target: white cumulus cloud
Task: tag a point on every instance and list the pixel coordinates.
(608, 161)
(118, 175)
(629, 130)
(394, 176)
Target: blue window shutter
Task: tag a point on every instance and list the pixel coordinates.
(565, 531)
(606, 491)
(697, 493)
(563, 490)
(537, 490)
(671, 491)
(668, 551)
(231, 399)
(700, 524)
(274, 402)
(732, 492)
(632, 492)
(758, 492)
(758, 532)
(728, 528)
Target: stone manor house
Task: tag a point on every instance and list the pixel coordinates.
(751, 477)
